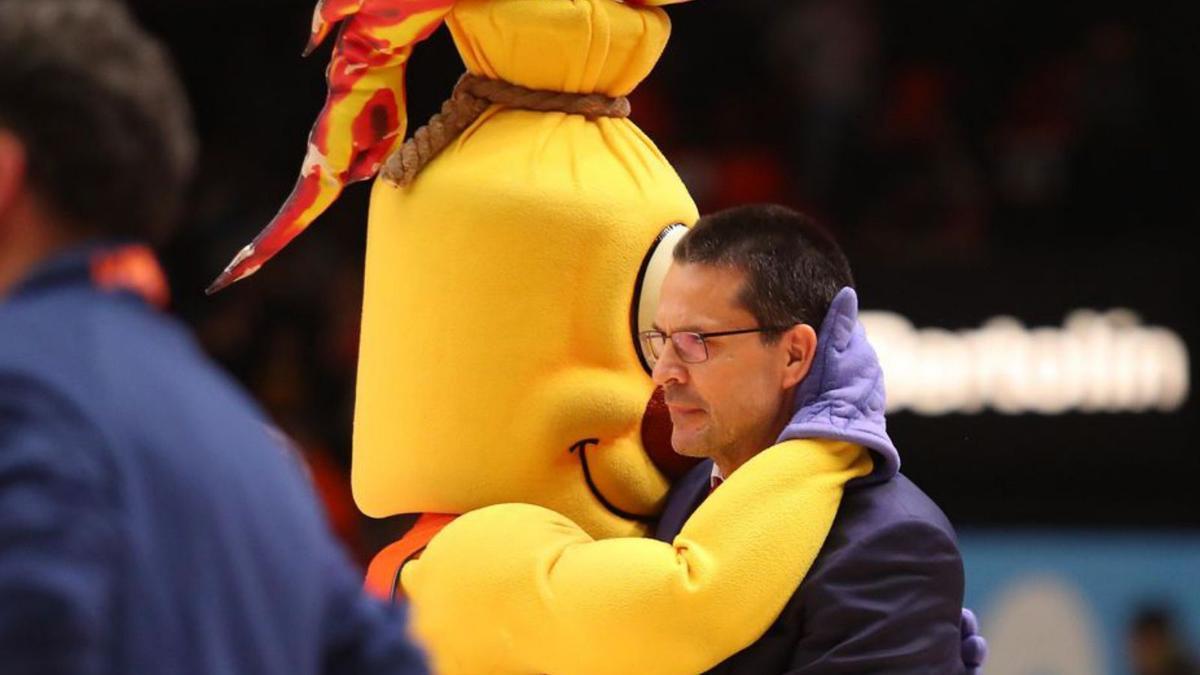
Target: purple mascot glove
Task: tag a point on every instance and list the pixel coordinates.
(974, 647)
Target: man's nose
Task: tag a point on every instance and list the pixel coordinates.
(668, 367)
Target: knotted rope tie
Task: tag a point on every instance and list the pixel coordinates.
(473, 95)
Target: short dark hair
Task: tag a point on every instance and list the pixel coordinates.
(1155, 619)
(793, 266)
(101, 113)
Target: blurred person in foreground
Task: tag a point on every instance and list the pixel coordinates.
(150, 519)
(1155, 646)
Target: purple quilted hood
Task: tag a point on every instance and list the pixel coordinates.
(842, 398)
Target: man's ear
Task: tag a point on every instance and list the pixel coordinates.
(800, 346)
(12, 172)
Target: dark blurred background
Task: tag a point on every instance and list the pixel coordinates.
(975, 159)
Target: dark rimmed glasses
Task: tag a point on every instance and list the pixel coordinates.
(690, 345)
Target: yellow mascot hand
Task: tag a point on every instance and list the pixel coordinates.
(517, 588)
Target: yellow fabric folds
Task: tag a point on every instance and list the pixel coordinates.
(518, 589)
(496, 315)
(586, 47)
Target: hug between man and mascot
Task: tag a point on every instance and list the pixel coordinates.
(515, 249)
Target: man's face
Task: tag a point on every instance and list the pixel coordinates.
(733, 404)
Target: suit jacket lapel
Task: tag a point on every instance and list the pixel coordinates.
(684, 498)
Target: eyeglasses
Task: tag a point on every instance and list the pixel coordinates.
(689, 345)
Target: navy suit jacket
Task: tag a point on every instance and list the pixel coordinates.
(884, 594)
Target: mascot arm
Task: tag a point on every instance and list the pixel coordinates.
(517, 588)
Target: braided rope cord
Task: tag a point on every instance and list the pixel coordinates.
(473, 95)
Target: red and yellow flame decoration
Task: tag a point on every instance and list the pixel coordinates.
(364, 118)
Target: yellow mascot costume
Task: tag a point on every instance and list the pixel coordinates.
(515, 248)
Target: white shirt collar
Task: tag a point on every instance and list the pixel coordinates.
(716, 477)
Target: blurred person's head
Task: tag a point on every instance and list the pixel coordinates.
(1154, 646)
(95, 131)
(768, 274)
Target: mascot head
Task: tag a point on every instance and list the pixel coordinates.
(499, 359)
(506, 283)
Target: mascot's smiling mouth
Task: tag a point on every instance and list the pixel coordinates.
(656, 441)
(581, 449)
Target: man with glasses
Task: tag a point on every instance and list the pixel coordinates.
(756, 341)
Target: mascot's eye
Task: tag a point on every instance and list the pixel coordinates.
(649, 284)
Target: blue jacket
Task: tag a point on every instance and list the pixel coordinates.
(150, 519)
(885, 593)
